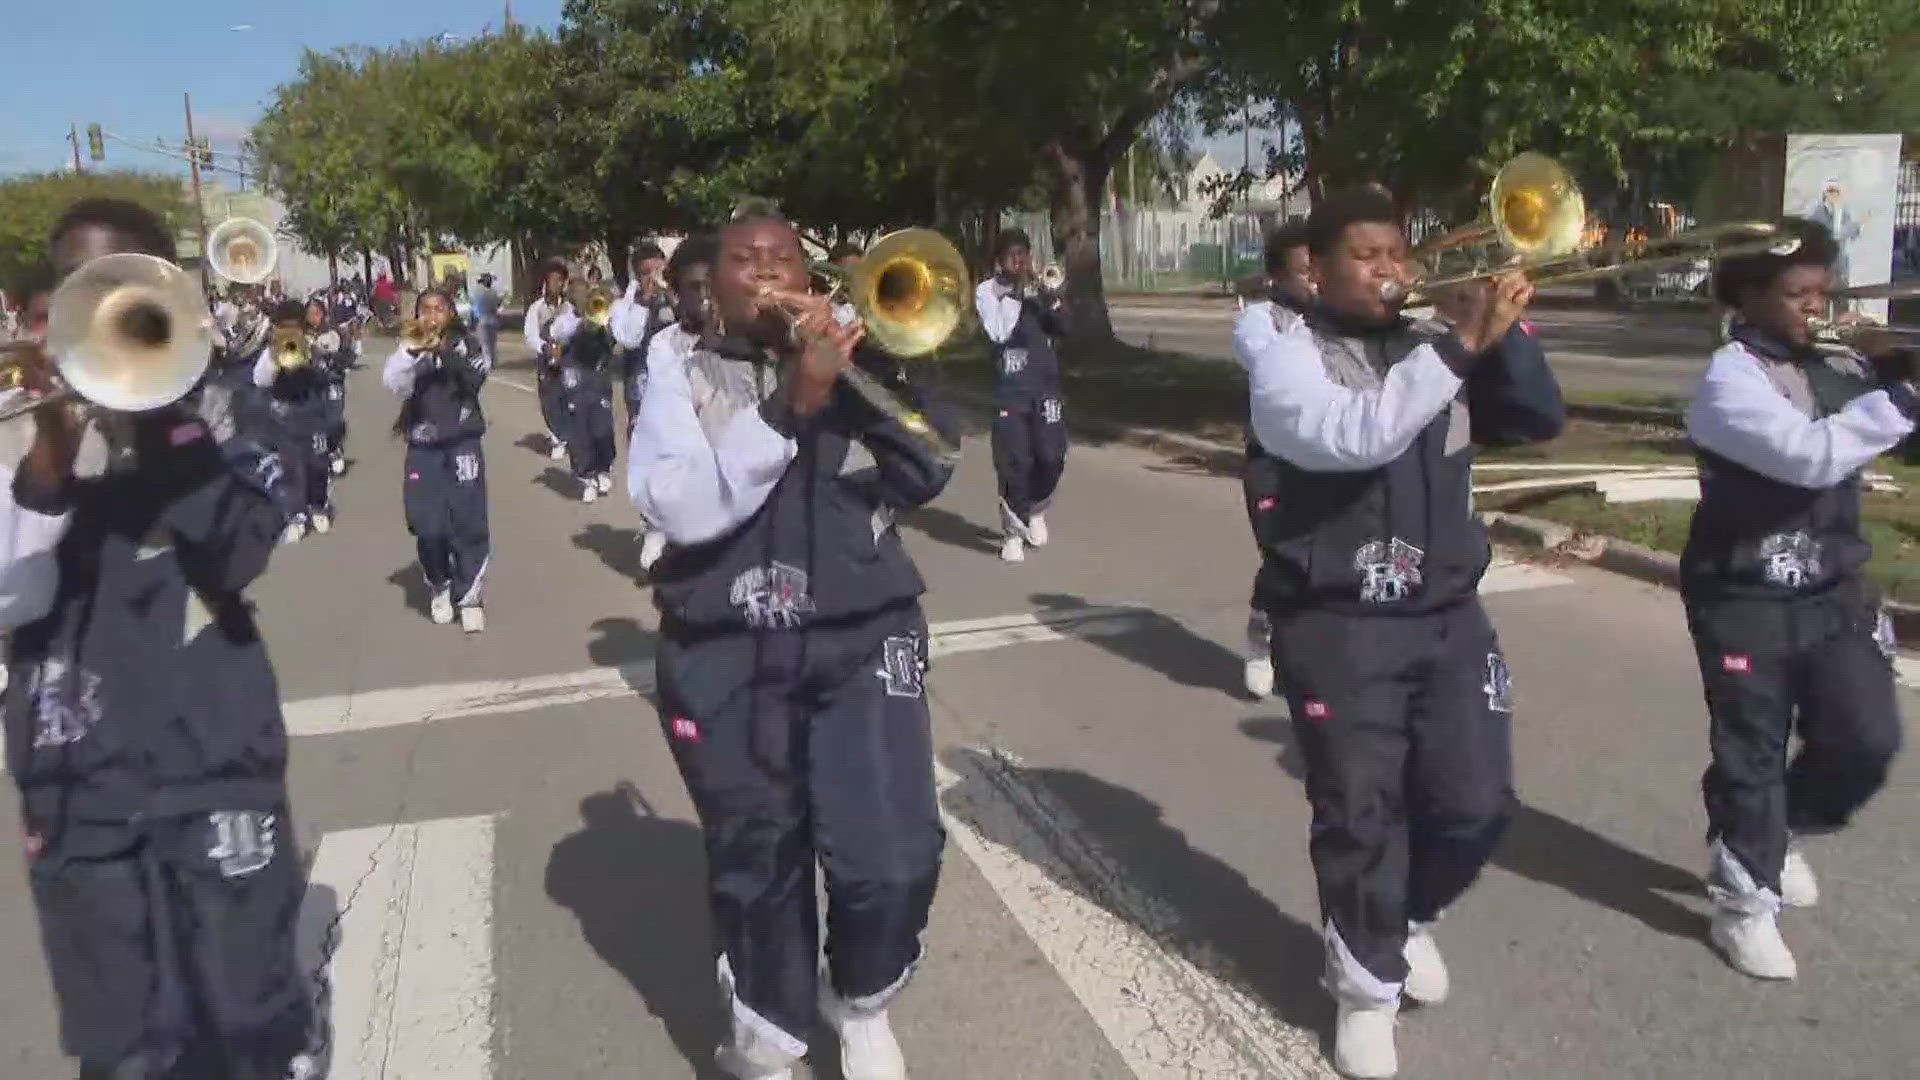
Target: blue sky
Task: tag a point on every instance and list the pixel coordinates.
(125, 63)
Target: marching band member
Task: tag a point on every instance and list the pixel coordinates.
(445, 497)
(688, 275)
(144, 730)
(1289, 294)
(1395, 681)
(332, 348)
(1789, 633)
(296, 396)
(639, 314)
(1029, 436)
(793, 657)
(545, 332)
(586, 368)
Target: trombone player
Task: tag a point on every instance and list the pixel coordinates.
(550, 321)
(1398, 690)
(145, 732)
(1021, 318)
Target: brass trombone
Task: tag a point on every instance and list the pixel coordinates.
(417, 335)
(596, 306)
(242, 250)
(125, 332)
(289, 348)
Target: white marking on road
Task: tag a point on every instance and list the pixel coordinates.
(1906, 670)
(1516, 576)
(515, 383)
(412, 976)
(1119, 952)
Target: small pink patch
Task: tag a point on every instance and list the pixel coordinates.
(413, 476)
(1265, 504)
(1526, 327)
(1737, 664)
(34, 845)
(186, 433)
(685, 730)
(1317, 709)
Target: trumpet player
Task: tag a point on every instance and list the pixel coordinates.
(688, 275)
(793, 657)
(332, 349)
(1021, 319)
(1789, 634)
(546, 334)
(145, 732)
(295, 382)
(587, 363)
(437, 371)
(1395, 681)
(641, 312)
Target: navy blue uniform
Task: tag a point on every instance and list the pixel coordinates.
(445, 491)
(1029, 429)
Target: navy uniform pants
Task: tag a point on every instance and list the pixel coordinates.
(553, 399)
(1403, 723)
(589, 434)
(1815, 666)
(1029, 453)
(802, 747)
(446, 505)
(172, 946)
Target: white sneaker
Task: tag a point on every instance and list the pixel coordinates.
(1259, 676)
(1797, 885)
(868, 1050)
(1363, 1041)
(1427, 978)
(1753, 945)
(322, 521)
(734, 1064)
(295, 531)
(473, 619)
(589, 490)
(1037, 534)
(604, 482)
(1012, 549)
(440, 608)
(557, 451)
(338, 466)
(652, 546)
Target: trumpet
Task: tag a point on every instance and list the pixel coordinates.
(911, 290)
(125, 332)
(1053, 278)
(290, 349)
(242, 250)
(597, 306)
(417, 335)
(1861, 334)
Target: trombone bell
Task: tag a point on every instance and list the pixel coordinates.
(242, 250)
(597, 308)
(129, 332)
(290, 348)
(910, 289)
(1538, 211)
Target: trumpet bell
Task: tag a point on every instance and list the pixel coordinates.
(597, 308)
(416, 335)
(290, 348)
(911, 291)
(129, 332)
(242, 250)
(1053, 277)
(1537, 209)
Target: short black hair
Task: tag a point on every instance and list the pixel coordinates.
(756, 208)
(645, 250)
(1289, 234)
(552, 267)
(698, 249)
(842, 250)
(139, 226)
(288, 311)
(1738, 275)
(1368, 203)
(1008, 240)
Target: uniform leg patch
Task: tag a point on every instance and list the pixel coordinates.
(902, 671)
(243, 841)
(1499, 685)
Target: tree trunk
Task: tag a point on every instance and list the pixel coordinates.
(1082, 176)
(333, 269)
(619, 240)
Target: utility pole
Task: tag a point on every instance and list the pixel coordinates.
(73, 136)
(199, 208)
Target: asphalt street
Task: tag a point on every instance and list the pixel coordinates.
(1645, 352)
(511, 870)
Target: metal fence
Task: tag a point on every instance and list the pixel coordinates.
(1162, 248)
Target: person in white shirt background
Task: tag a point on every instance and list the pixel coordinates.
(688, 275)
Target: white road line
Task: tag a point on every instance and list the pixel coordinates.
(515, 383)
(1906, 670)
(1118, 951)
(412, 977)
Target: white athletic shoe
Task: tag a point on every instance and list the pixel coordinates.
(604, 482)
(1259, 676)
(868, 1050)
(734, 1064)
(652, 546)
(473, 619)
(1037, 534)
(557, 451)
(295, 531)
(1797, 885)
(338, 466)
(1753, 945)
(322, 522)
(1363, 1041)
(589, 491)
(1427, 979)
(440, 608)
(1013, 549)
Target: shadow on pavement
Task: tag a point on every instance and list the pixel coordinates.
(619, 549)
(536, 441)
(637, 883)
(1161, 644)
(1551, 850)
(1110, 845)
(413, 585)
(623, 643)
(319, 934)
(947, 527)
(560, 482)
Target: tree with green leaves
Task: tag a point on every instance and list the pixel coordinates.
(30, 204)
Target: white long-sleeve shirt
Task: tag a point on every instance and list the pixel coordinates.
(29, 567)
(1255, 323)
(999, 309)
(1302, 415)
(1738, 413)
(688, 486)
(630, 318)
(398, 373)
(564, 323)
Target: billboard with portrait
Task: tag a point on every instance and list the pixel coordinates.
(1848, 183)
